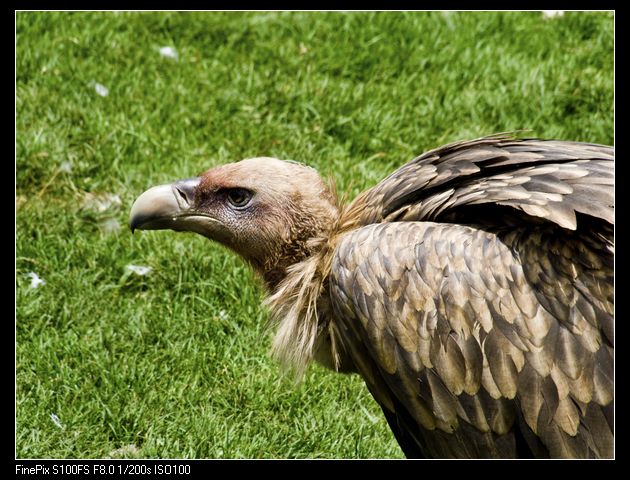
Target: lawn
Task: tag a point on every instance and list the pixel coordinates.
(174, 363)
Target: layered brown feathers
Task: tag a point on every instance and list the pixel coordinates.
(473, 291)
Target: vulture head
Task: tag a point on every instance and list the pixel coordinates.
(264, 209)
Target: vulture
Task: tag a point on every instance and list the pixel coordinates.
(472, 289)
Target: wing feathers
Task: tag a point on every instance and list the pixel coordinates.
(472, 327)
(460, 345)
(546, 179)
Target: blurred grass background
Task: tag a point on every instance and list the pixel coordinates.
(174, 364)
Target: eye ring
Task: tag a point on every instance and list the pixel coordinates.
(239, 197)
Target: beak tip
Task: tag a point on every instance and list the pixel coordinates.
(138, 221)
(133, 223)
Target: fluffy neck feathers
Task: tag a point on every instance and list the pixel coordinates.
(301, 311)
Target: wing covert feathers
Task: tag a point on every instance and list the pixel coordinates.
(471, 331)
(549, 179)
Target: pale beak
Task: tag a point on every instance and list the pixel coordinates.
(166, 207)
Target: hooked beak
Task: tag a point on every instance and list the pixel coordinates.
(166, 207)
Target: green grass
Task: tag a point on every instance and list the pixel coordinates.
(175, 362)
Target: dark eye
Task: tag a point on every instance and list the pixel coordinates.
(239, 197)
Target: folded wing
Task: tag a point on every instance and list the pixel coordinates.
(475, 295)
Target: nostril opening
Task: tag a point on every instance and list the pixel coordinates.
(182, 194)
(186, 190)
